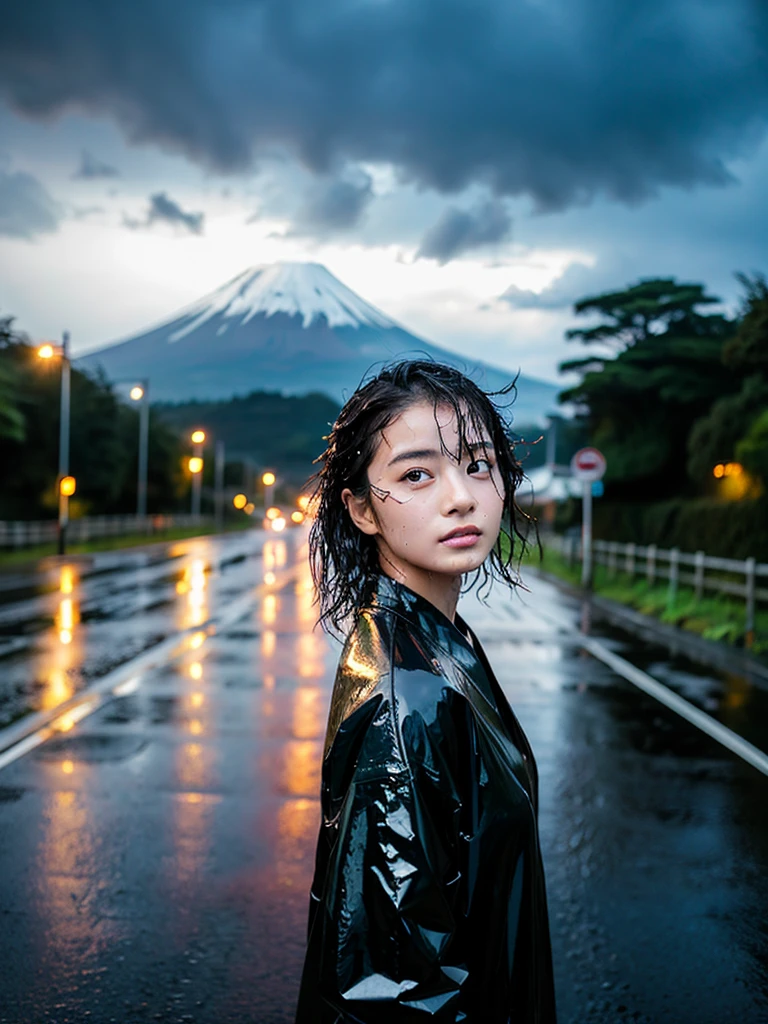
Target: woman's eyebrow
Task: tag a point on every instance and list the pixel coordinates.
(415, 453)
(433, 453)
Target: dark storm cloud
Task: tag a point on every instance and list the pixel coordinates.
(558, 99)
(459, 231)
(91, 167)
(576, 282)
(336, 204)
(26, 208)
(165, 210)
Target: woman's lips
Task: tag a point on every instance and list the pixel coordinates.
(462, 539)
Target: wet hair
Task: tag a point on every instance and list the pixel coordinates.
(344, 560)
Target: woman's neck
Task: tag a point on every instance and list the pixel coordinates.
(441, 591)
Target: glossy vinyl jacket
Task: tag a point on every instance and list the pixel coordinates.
(428, 903)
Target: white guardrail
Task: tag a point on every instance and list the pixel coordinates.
(22, 534)
(696, 569)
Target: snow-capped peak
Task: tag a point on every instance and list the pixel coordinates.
(304, 289)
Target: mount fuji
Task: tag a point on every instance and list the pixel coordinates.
(287, 327)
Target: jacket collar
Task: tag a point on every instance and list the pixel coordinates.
(427, 619)
(439, 632)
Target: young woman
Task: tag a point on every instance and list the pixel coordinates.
(428, 902)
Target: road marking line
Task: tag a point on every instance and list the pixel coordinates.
(34, 729)
(741, 747)
(719, 732)
(24, 746)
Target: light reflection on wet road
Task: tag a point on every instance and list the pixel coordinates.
(155, 859)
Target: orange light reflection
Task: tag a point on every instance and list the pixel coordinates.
(301, 767)
(308, 712)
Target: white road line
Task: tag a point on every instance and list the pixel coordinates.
(719, 732)
(34, 729)
(24, 747)
(746, 751)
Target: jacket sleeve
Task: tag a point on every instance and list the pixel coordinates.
(383, 935)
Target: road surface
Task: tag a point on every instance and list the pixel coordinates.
(156, 841)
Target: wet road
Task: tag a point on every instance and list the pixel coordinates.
(156, 855)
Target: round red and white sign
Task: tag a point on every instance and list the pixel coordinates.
(588, 464)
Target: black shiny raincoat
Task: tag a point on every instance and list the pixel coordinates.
(428, 903)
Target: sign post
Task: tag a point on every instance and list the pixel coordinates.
(587, 465)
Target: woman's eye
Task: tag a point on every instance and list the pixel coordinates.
(479, 466)
(415, 476)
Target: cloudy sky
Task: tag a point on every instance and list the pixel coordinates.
(472, 167)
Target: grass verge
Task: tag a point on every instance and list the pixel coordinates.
(713, 617)
(22, 556)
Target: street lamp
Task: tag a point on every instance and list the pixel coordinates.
(218, 486)
(197, 437)
(48, 351)
(140, 393)
(268, 479)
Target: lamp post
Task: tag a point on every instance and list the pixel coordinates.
(140, 393)
(196, 469)
(268, 479)
(65, 489)
(218, 498)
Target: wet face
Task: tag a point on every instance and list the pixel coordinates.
(435, 505)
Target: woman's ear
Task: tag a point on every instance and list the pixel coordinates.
(360, 512)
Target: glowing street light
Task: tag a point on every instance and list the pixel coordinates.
(297, 517)
(727, 469)
(239, 501)
(67, 486)
(48, 351)
(269, 480)
(278, 524)
(197, 437)
(303, 502)
(272, 513)
(140, 393)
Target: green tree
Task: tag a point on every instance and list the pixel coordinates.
(651, 307)
(640, 403)
(11, 416)
(103, 443)
(727, 428)
(747, 351)
(752, 449)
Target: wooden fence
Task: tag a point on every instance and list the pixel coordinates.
(21, 534)
(698, 570)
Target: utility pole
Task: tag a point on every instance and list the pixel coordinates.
(64, 444)
(196, 466)
(219, 486)
(141, 490)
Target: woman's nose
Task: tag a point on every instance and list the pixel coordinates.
(458, 497)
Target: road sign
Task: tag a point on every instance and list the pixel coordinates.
(588, 464)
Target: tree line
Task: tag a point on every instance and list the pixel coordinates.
(670, 390)
(261, 429)
(676, 396)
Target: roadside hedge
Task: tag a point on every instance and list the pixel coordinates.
(737, 529)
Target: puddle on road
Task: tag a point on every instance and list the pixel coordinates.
(10, 794)
(91, 748)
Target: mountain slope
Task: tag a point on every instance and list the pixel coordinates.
(288, 327)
